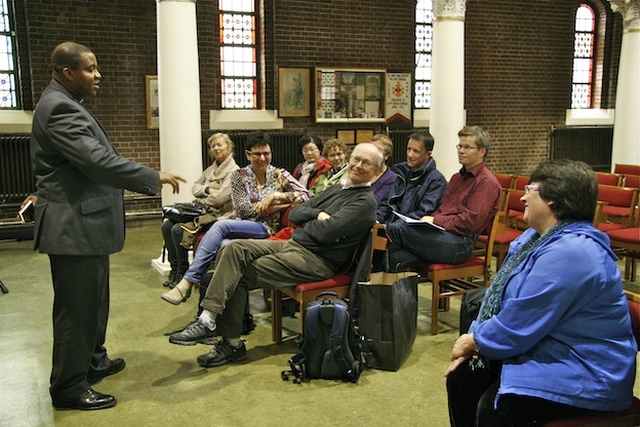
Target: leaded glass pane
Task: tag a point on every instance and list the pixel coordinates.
(423, 47)
(583, 51)
(583, 45)
(585, 19)
(580, 96)
(8, 94)
(238, 54)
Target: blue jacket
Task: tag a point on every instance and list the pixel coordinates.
(564, 330)
(414, 193)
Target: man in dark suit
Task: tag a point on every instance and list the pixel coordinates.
(79, 222)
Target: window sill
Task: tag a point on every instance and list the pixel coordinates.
(244, 119)
(590, 116)
(15, 121)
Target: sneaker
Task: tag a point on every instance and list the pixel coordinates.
(221, 354)
(192, 334)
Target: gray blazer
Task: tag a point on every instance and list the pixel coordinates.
(80, 179)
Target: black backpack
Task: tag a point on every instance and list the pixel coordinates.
(329, 346)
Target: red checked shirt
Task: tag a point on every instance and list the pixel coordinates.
(470, 201)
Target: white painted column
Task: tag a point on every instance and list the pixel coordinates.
(178, 99)
(447, 83)
(626, 125)
(179, 95)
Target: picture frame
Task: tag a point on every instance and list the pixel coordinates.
(345, 95)
(294, 92)
(153, 106)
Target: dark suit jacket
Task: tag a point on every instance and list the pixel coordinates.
(79, 179)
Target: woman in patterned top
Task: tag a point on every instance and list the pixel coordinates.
(260, 192)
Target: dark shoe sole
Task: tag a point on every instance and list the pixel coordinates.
(205, 364)
(66, 407)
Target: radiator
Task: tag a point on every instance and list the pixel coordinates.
(591, 144)
(286, 153)
(16, 176)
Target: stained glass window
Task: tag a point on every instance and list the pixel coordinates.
(238, 53)
(424, 39)
(8, 84)
(583, 57)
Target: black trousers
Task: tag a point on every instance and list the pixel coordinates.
(80, 314)
(471, 396)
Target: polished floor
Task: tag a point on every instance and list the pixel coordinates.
(163, 385)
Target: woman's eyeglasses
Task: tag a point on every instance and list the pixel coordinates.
(257, 155)
(531, 187)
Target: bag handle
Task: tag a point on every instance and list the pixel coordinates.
(327, 293)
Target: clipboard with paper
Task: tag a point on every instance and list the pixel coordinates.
(412, 221)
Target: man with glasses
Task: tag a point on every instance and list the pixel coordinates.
(330, 227)
(468, 205)
(416, 191)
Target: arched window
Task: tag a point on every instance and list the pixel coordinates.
(424, 41)
(9, 94)
(584, 48)
(239, 53)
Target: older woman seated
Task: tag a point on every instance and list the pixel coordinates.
(335, 151)
(553, 337)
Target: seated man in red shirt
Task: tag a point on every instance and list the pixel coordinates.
(468, 205)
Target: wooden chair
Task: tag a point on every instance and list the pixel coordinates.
(630, 417)
(304, 293)
(605, 178)
(505, 180)
(632, 181)
(626, 243)
(520, 182)
(620, 204)
(450, 280)
(624, 169)
(515, 209)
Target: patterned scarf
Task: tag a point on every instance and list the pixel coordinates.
(491, 302)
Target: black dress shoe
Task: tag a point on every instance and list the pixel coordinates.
(116, 366)
(87, 401)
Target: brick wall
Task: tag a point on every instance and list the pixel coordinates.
(517, 66)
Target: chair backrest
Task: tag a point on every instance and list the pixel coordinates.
(520, 182)
(627, 169)
(625, 197)
(633, 299)
(505, 180)
(632, 181)
(608, 178)
(498, 226)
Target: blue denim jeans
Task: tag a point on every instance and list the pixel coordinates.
(212, 241)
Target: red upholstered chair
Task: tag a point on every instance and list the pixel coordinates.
(626, 242)
(456, 279)
(629, 418)
(605, 178)
(304, 293)
(515, 209)
(520, 182)
(626, 169)
(632, 181)
(620, 204)
(505, 180)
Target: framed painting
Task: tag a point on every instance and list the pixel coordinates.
(294, 96)
(349, 95)
(153, 107)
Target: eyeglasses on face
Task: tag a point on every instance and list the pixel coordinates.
(310, 149)
(365, 162)
(258, 154)
(466, 147)
(531, 187)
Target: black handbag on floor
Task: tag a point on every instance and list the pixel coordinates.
(183, 212)
(387, 318)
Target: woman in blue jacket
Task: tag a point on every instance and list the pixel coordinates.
(553, 337)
